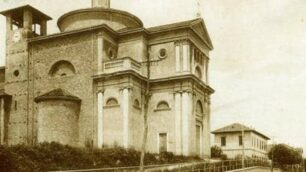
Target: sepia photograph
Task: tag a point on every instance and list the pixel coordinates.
(152, 85)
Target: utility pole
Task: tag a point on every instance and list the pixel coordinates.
(272, 154)
(303, 163)
(272, 158)
(242, 138)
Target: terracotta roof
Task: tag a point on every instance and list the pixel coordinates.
(236, 127)
(57, 94)
(172, 25)
(36, 12)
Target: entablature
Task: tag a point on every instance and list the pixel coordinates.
(187, 81)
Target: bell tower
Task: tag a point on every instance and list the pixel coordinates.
(22, 24)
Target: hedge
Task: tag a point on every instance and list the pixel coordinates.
(55, 157)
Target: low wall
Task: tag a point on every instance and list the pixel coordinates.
(256, 169)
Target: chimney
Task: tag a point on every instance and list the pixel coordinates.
(101, 3)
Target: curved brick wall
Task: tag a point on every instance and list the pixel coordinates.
(58, 121)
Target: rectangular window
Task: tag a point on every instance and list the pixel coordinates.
(223, 141)
(162, 142)
(253, 141)
(240, 140)
(257, 143)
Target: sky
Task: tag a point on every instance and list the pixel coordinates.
(258, 63)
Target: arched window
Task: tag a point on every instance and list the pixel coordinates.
(111, 102)
(198, 72)
(163, 105)
(199, 108)
(62, 68)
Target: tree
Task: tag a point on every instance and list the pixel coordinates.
(147, 96)
(216, 152)
(285, 155)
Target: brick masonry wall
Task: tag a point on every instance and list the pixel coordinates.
(58, 121)
(80, 51)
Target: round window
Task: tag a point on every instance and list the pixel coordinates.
(16, 73)
(162, 53)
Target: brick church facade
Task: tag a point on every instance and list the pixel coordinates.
(86, 84)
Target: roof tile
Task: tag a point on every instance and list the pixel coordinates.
(236, 127)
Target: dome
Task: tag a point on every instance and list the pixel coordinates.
(86, 18)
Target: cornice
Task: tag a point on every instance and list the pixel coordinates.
(251, 149)
(152, 81)
(119, 33)
(68, 33)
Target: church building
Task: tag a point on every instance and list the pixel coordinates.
(86, 84)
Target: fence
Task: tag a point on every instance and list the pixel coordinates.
(293, 168)
(218, 166)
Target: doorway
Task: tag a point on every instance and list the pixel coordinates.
(163, 142)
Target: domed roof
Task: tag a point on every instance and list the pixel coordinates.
(85, 18)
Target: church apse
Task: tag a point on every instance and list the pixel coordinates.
(58, 115)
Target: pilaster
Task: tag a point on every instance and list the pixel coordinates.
(186, 56)
(2, 127)
(186, 121)
(177, 57)
(206, 70)
(100, 116)
(100, 53)
(178, 122)
(125, 111)
(206, 127)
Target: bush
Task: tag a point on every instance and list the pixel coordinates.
(223, 157)
(216, 152)
(6, 160)
(54, 157)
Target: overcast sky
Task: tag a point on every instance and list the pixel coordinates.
(257, 67)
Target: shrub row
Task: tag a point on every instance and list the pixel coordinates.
(54, 156)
